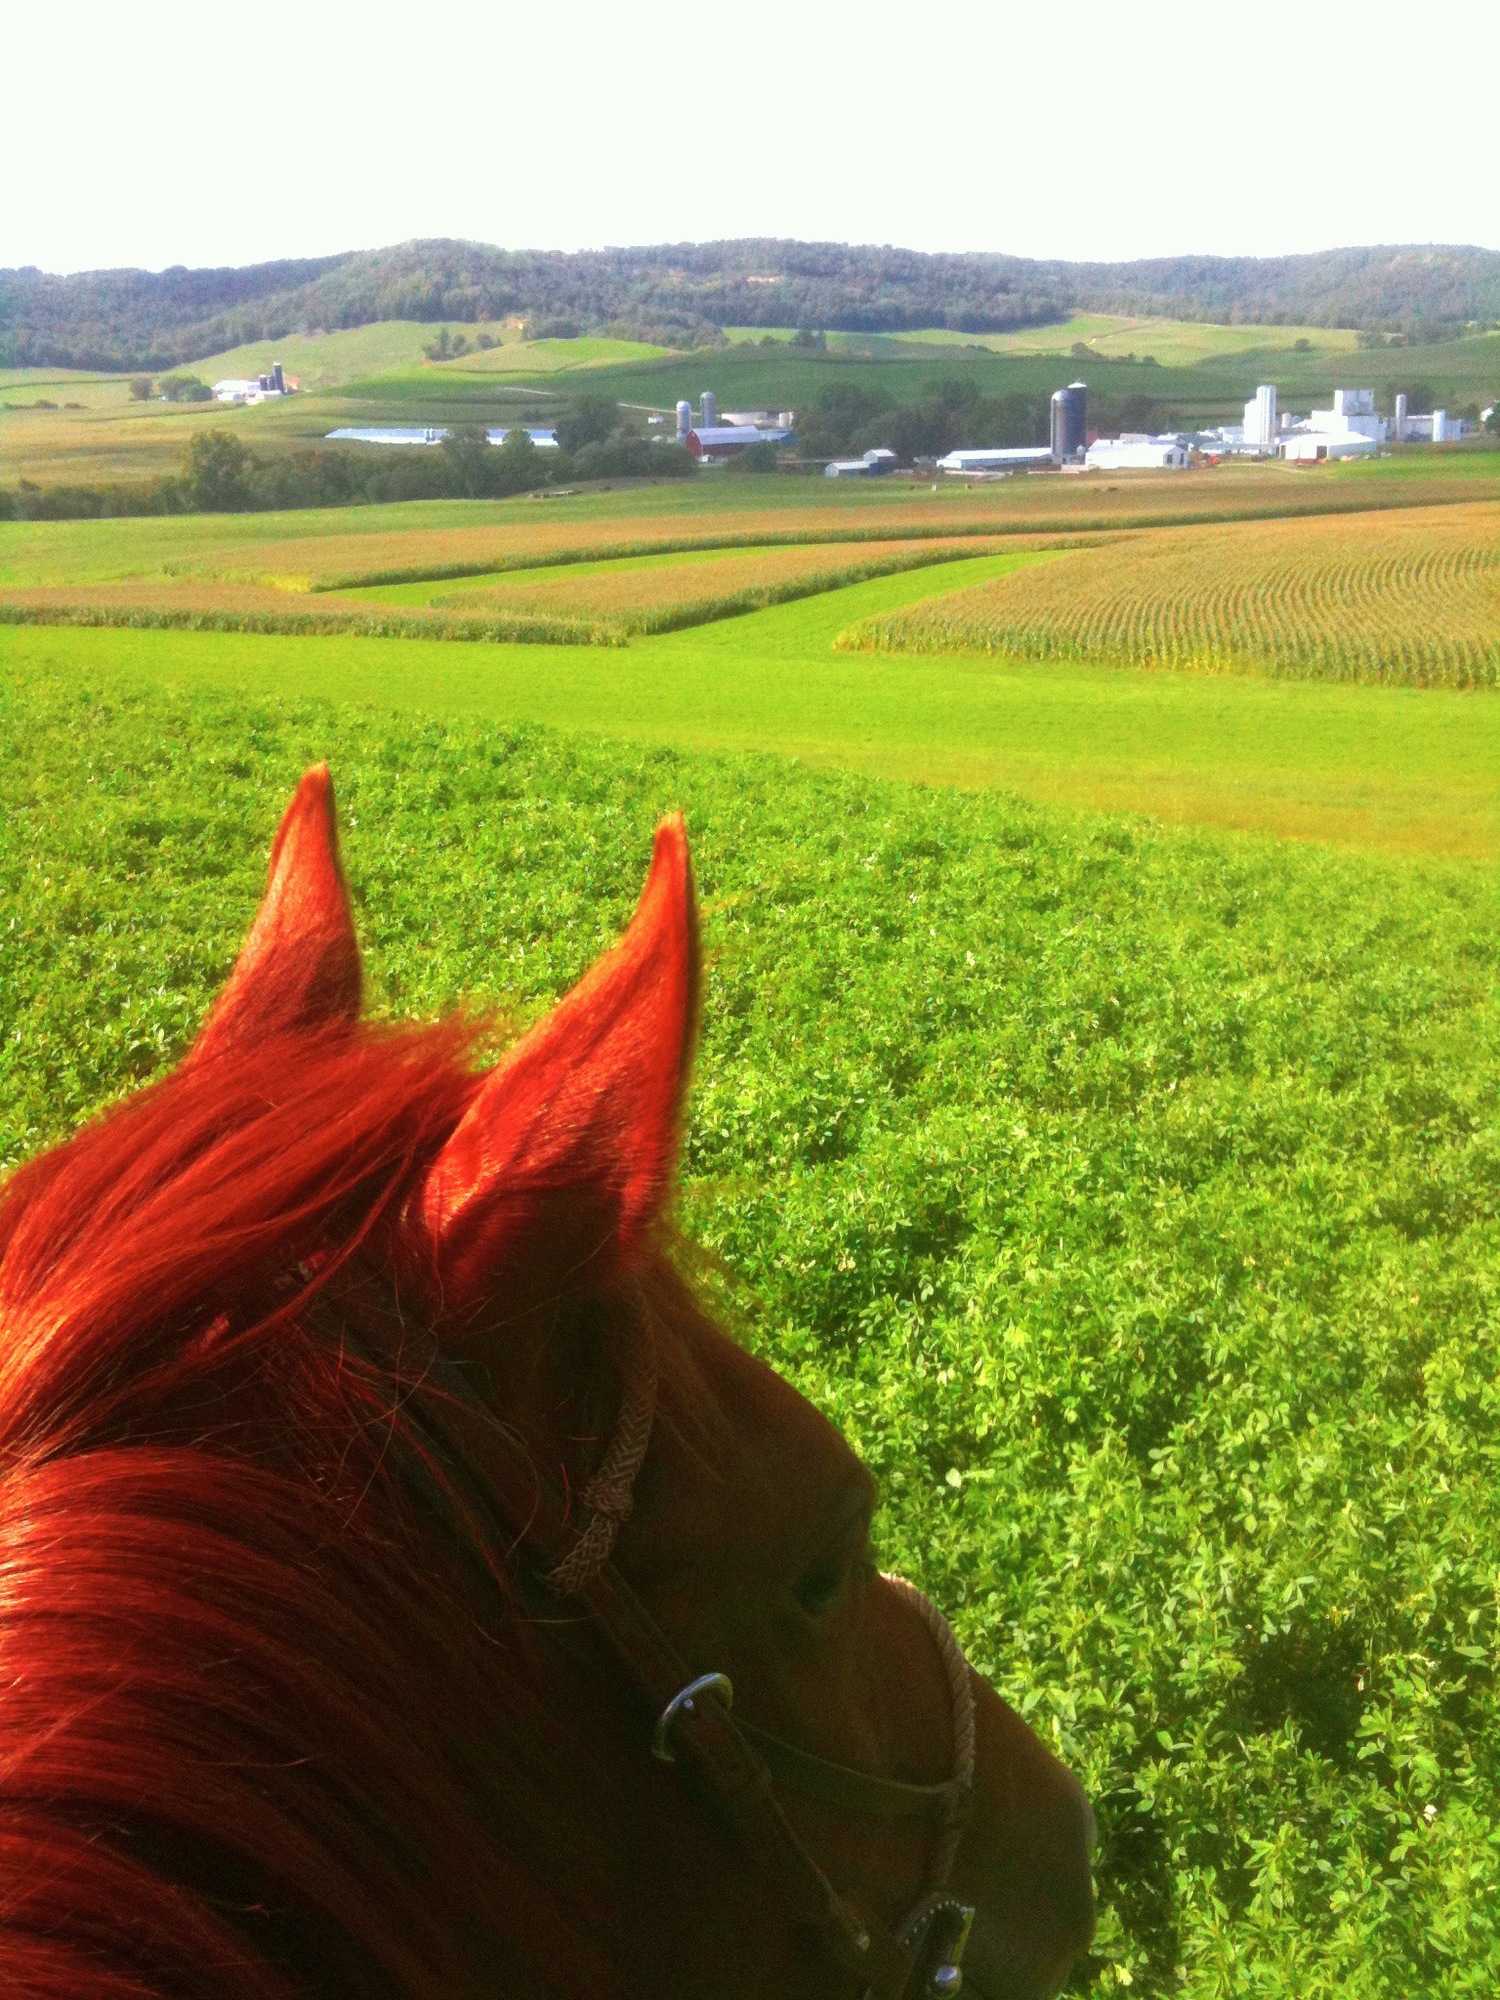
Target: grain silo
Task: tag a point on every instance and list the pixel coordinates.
(1069, 422)
(709, 414)
(684, 420)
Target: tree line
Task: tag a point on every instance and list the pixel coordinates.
(220, 474)
(683, 295)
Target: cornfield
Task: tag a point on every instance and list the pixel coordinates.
(559, 606)
(1410, 597)
(666, 596)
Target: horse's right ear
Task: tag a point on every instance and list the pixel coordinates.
(299, 968)
(557, 1173)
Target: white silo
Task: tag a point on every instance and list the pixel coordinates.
(1260, 420)
(1440, 426)
(684, 420)
(1401, 418)
(710, 410)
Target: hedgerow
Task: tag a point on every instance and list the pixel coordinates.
(1129, 1196)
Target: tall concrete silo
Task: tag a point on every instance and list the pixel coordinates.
(684, 420)
(709, 411)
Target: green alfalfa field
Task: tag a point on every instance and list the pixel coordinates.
(1129, 1191)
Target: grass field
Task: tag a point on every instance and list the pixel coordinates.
(1128, 1195)
(327, 360)
(550, 357)
(1178, 341)
(1402, 597)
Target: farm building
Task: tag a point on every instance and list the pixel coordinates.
(1350, 429)
(254, 389)
(1005, 458)
(1438, 428)
(544, 440)
(762, 420)
(1305, 447)
(1137, 453)
(712, 442)
(871, 466)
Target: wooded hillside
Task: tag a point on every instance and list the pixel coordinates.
(683, 294)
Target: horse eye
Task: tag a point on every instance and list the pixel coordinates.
(821, 1588)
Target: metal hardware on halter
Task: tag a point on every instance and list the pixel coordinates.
(682, 1704)
(939, 1929)
(739, 1770)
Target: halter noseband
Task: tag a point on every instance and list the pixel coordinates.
(740, 1766)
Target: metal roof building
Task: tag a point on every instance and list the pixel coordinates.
(711, 441)
(544, 440)
(1007, 458)
(1129, 454)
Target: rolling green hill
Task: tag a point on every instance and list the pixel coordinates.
(681, 294)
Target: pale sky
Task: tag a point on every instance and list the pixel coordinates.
(198, 135)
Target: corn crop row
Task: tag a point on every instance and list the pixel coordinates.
(1411, 598)
(374, 624)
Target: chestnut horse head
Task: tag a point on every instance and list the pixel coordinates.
(375, 1497)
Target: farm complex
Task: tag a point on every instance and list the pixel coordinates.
(1088, 734)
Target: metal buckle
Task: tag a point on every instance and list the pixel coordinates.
(939, 1929)
(682, 1704)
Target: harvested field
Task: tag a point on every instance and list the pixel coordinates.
(1411, 598)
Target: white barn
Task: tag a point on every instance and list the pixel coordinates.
(1137, 454)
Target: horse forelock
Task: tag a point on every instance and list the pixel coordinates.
(253, 1618)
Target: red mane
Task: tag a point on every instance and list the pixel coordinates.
(253, 1619)
(201, 1594)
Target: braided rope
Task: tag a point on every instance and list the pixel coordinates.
(961, 1707)
(609, 1493)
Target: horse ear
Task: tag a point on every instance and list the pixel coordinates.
(300, 964)
(563, 1161)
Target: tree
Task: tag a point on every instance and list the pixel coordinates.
(466, 447)
(519, 463)
(185, 389)
(140, 388)
(757, 458)
(217, 472)
(588, 420)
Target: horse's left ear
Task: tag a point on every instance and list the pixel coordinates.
(299, 968)
(563, 1161)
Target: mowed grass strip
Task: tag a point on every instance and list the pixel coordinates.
(1411, 598)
